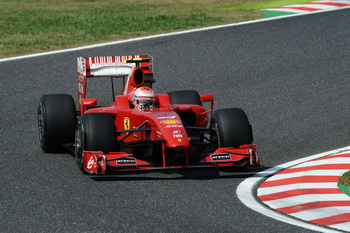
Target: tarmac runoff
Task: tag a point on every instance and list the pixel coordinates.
(305, 8)
(304, 192)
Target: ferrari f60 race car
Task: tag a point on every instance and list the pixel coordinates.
(156, 131)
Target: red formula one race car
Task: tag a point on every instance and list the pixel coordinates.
(142, 130)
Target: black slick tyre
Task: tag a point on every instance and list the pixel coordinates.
(94, 132)
(186, 97)
(231, 128)
(56, 121)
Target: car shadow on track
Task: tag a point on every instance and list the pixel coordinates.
(192, 174)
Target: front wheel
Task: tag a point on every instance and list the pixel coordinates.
(94, 132)
(231, 128)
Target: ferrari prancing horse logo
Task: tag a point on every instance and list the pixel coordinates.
(126, 123)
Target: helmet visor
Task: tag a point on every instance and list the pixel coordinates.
(145, 104)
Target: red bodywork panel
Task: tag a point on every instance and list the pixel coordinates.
(161, 126)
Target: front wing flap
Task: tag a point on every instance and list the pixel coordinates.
(233, 157)
(96, 162)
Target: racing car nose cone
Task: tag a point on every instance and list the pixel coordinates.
(178, 142)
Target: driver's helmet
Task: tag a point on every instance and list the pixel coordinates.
(143, 98)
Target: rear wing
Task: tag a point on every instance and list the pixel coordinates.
(113, 67)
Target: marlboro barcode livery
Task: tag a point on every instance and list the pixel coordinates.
(141, 129)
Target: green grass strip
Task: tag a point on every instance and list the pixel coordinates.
(345, 189)
(39, 25)
(268, 14)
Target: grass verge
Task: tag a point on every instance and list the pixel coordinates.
(31, 26)
(345, 179)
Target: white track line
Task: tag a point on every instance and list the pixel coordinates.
(246, 192)
(165, 35)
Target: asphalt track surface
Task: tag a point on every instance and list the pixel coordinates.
(291, 76)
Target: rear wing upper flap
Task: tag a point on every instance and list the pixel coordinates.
(113, 66)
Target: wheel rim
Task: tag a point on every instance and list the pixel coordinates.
(79, 148)
(215, 140)
(41, 126)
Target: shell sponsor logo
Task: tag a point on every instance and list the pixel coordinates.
(170, 122)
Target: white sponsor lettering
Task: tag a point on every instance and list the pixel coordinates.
(173, 126)
(220, 156)
(166, 117)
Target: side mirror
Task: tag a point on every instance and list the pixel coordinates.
(89, 102)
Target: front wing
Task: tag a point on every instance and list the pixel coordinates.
(96, 162)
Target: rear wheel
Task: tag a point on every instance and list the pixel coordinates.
(185, 97)
(56, 121)
(231, 127)
(94, 132)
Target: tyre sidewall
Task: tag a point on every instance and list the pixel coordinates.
(94, 132)
(185, 97)
(57, 116)
(231, 127)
